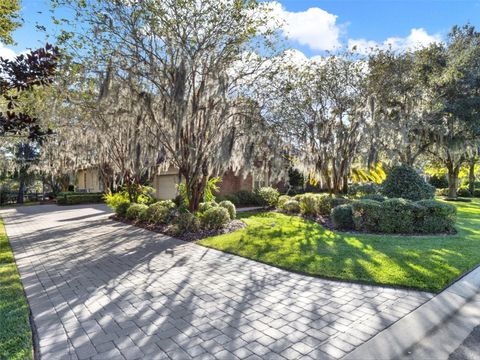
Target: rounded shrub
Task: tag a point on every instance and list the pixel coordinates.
(232, 211)
(215, 218)
(434, 216)
(404, 182)
(376, 197)
(324, 204)
(204, 206)
(438, 181)
(269, 196)
(342, 217)
(121, 209)
(309, 204)
(366, 215)
(282, 200)
(291, 206)
(186, 223)
(464, 192)
(397, 216)
(160, 212)
(476, 192)
(135, 211)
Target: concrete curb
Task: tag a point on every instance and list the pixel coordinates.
(400, 336)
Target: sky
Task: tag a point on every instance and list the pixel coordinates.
(316, 26)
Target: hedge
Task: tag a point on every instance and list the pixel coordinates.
(398, 216)
(79, 198)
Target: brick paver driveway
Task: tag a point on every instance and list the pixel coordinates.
(102, 289)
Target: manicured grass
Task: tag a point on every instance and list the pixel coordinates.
(15, 332)
(421, 262)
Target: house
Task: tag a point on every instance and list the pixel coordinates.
(165, 183)
(88, 180)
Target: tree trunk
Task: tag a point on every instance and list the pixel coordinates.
(471, 176)
(452, 180)
(21, 190)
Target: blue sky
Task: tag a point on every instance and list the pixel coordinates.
(318, 25)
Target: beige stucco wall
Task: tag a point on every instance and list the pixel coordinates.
(89, 180)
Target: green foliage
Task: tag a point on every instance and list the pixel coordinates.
(183, 195)
(80, 198)
(359, 190)
(186, 223)
(376, 197)
(366, 215)
(309, 204)
(291, 206)
(136, 211)
(204, 206)
(230, 207)
(9, 20)
(121, 209)
(15, 332)
(215, 218)
(113, 200)
(439, 181)
(211, 188)
(397, 216)
(434, 216)
(476, 192)
(342, 217)
(441, 192)
(269, 196)
(404, 182)
(160, 212)
(375, 174)
(245, 197)
(464, 192)
(282, 200)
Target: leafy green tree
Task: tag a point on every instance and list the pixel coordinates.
(9, 19)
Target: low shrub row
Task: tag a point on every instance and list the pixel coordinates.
(310, 204)
(177, 220)
(79, 198)
(395, 216)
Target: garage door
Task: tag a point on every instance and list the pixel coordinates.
(166, 186)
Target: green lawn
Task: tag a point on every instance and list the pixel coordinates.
(15, 332)
(421, 262)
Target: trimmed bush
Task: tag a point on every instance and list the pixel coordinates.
(404, 182)
(269, 196)
(342, 217)
(434, 216)
(309, 204)
(186, 223)
(230, 207)
(291, 206)
(376, 197)
(366, 215)
(476, 192)
(215, 218)
(134, 211)
(464, 192)
(121, 209)
(245, 198)
(397, 216)
(324, 204)
(80, 198)
(438, 181)
(204, 206)
(282, 200)
(160, 212)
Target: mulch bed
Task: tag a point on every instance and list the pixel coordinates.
(234, 225)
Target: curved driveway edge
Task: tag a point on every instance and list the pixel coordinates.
(392, 342)
(100, 289)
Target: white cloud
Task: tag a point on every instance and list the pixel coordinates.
(416, 39)
(6, 52)
(314, 27)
